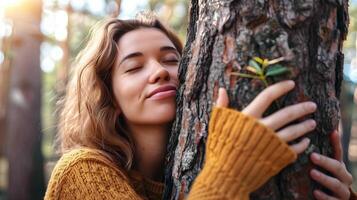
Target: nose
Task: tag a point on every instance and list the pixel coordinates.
(160, 73)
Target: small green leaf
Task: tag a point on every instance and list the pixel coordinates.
(256, 66)
(251, 69)
(276, 60)
(276, 66)
(258, 60)
(244, 75)
(276, 70)
(265, 63)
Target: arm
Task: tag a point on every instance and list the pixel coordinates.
(241, 154)
(243, 151)
(88, 178)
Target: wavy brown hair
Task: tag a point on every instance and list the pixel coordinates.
(88, 115)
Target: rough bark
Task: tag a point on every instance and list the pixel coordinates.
(222, 37)
(25, 175)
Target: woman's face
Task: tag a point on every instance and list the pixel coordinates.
(145, 77)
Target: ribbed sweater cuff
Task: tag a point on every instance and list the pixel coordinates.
(242, 154)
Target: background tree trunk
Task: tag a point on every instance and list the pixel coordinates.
(347, 105)
(5, 46)
(26, 178)
(222, 37)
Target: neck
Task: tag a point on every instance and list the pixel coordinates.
(150, 149)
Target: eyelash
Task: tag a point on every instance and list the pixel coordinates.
(133, 69)
(171, 61)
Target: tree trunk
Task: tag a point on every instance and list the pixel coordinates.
(222, 37)
(5, 46)
(26, 178)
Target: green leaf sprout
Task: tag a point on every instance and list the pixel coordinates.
(263, 68)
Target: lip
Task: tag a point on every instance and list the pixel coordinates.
(162, 92)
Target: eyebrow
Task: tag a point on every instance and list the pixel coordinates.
(168, 48)
(137, 54)
(132, 55)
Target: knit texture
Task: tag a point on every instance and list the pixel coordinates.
(241, 155)
(88, 174)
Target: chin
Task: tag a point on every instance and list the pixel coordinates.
(161, 116)
(164, 118)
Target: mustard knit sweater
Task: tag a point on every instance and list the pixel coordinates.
(241, 155)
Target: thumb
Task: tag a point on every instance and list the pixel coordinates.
(222, 100)
(336, 145)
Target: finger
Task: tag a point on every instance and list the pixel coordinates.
(258, 106)
(295, 131)
(337, 168)
(319, 195)
(288, 114)
(301, 146)
(338, 188)
(222, 100)
(336, 145)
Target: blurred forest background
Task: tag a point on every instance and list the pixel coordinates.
(38, 42)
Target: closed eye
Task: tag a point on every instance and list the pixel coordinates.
(133, 69)
(171, 61)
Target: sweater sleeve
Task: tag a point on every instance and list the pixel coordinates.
(241, 155)
(88, 178)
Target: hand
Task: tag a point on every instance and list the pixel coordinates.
(282, 117)
(339, 185)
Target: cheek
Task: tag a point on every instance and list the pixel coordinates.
(127, 92)
(174, 74)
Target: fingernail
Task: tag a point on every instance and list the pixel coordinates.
(312, 106)
(307, 140)
(318, 193)
(315, 172)
(315, 156)
(312, 123)
(291, 83)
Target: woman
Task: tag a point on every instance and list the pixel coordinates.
(118, 110)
